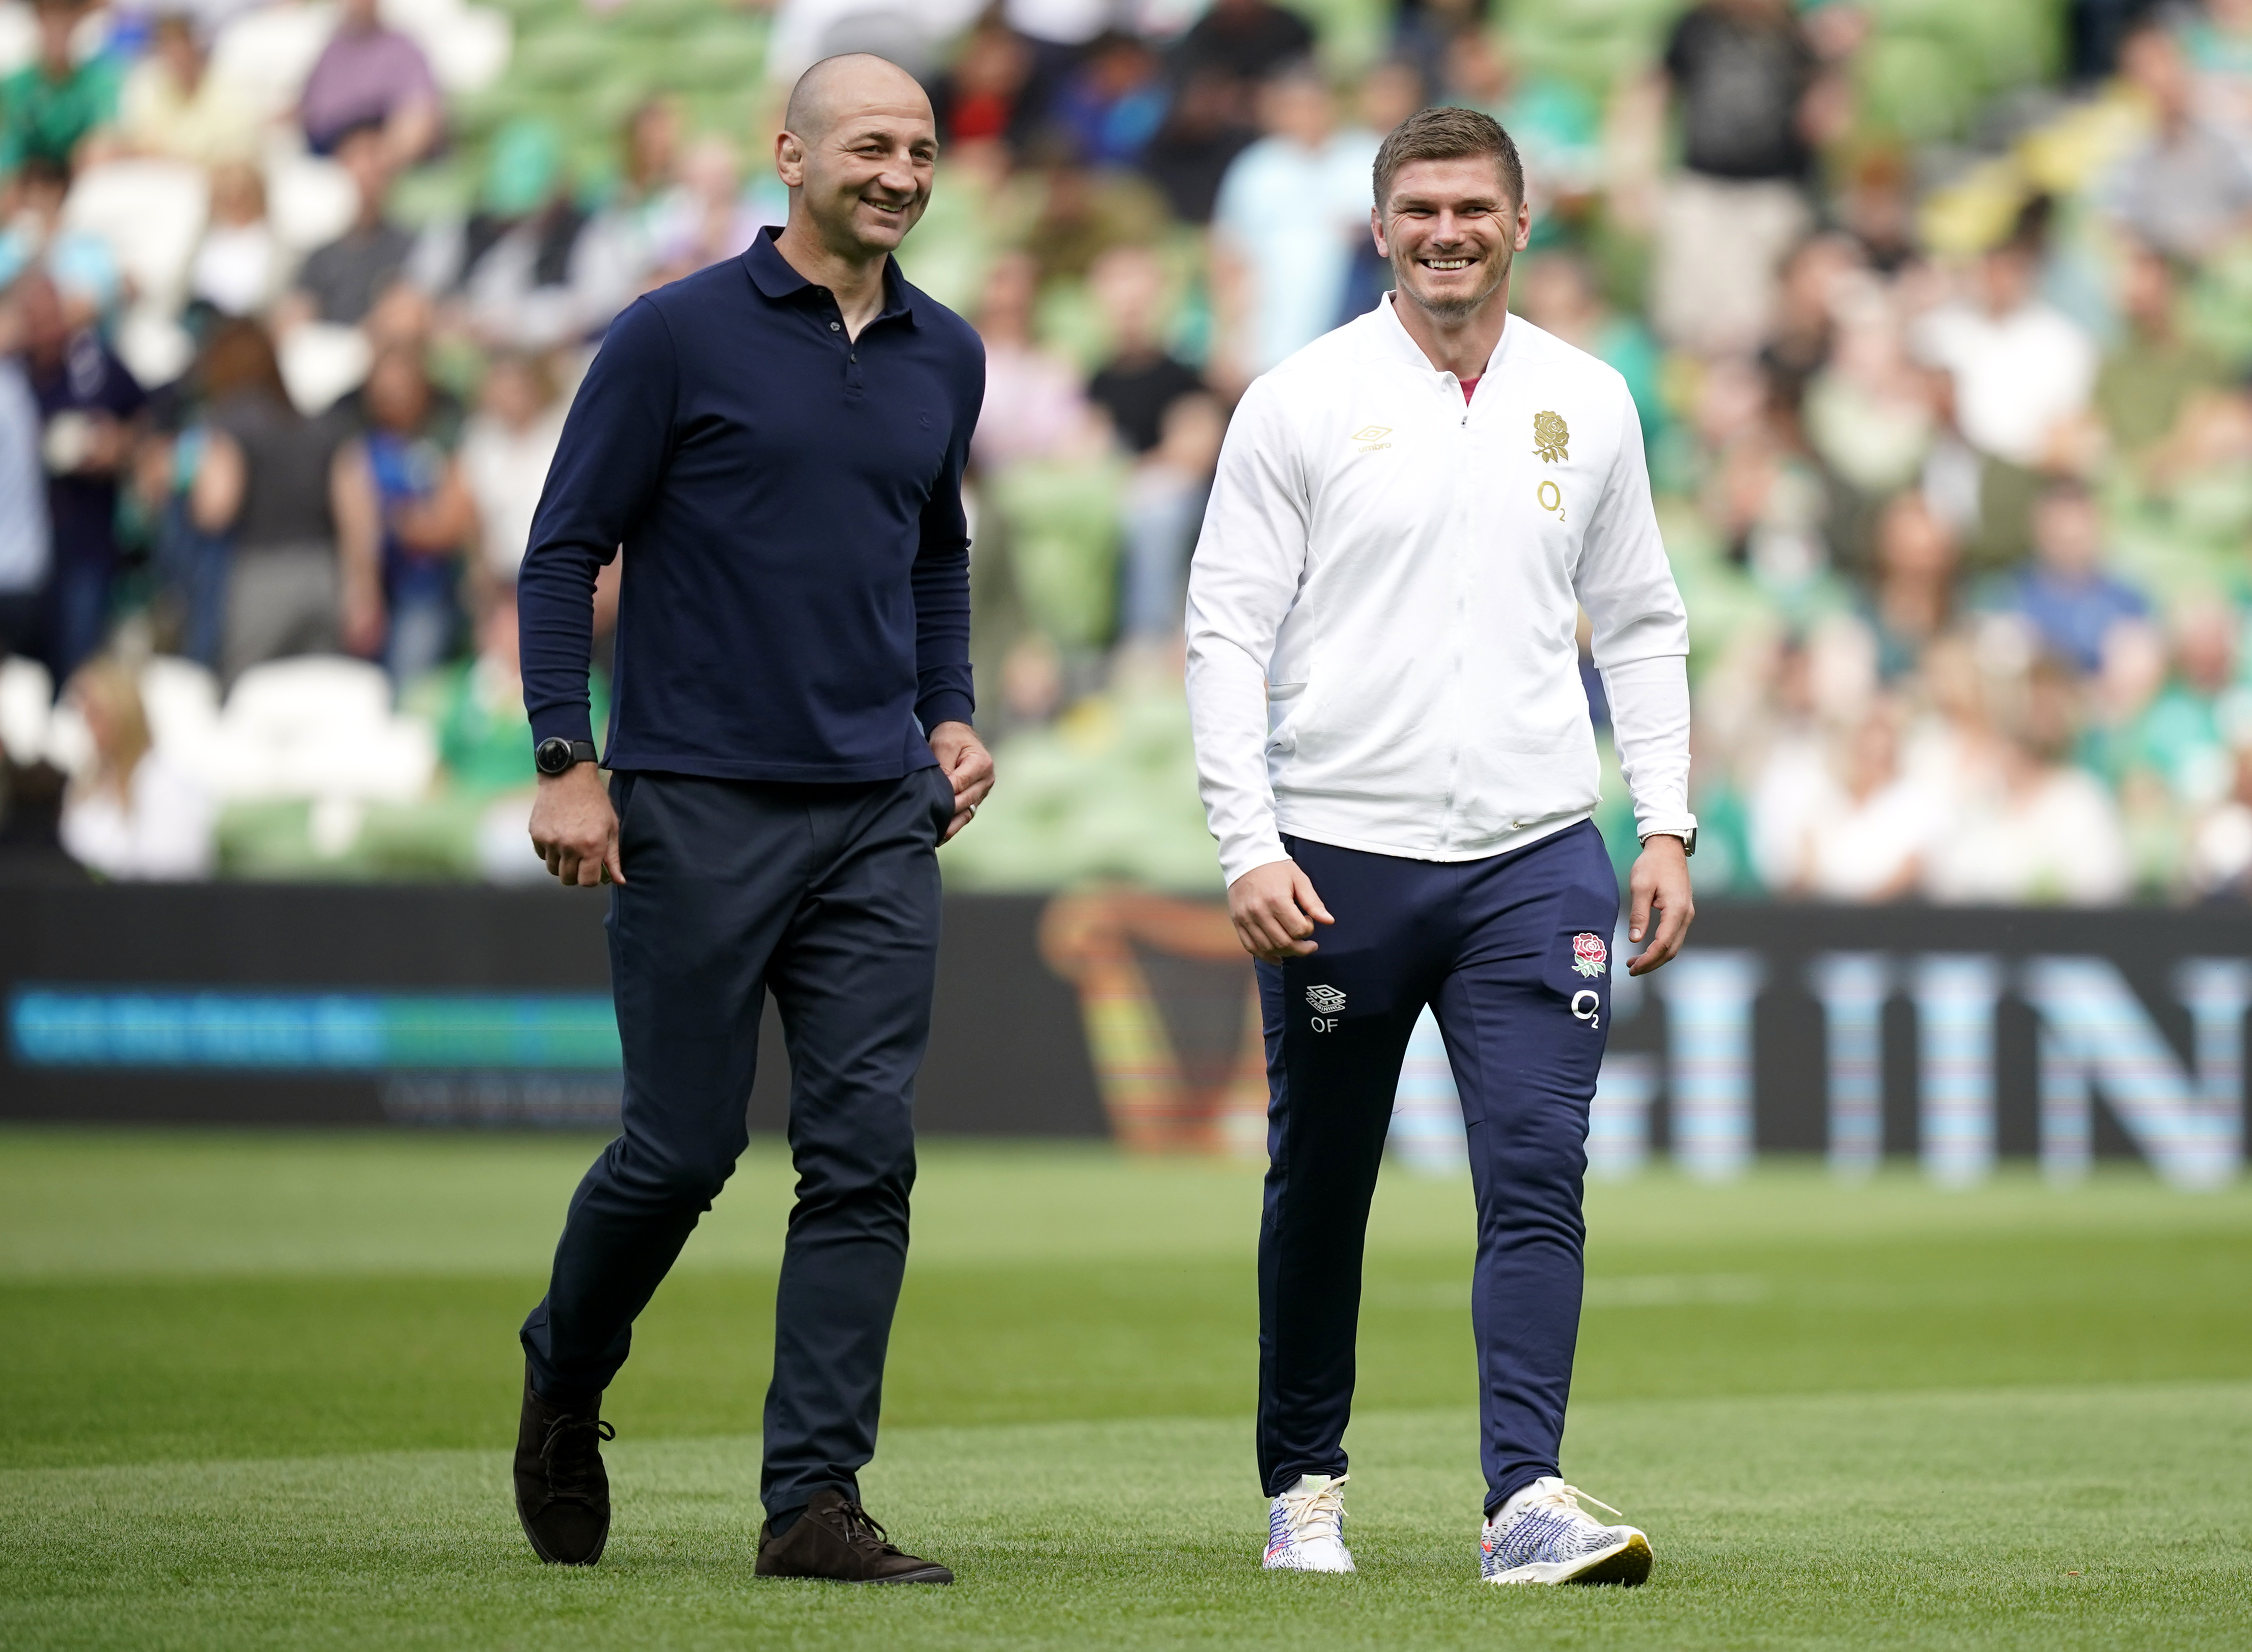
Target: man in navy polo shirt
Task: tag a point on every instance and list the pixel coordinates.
(776, 444)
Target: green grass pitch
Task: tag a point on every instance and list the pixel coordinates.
(256, 1390)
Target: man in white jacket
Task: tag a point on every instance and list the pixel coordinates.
(1395, 753)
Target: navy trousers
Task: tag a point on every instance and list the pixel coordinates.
(1511, 953)
(827, 896)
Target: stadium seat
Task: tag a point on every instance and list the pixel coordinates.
(269, 52)
(181, 701)
(561, 58)
(150, 213)
(812, 29)
(1062, 516)
(719, 55)
(69, 742)
(669, 17)
(322, 362)
(153, 345)
(282, 698)
(19, 37)
(309, 200)
(319, 727)
(467, 46)
(470, 49)
(27, 697)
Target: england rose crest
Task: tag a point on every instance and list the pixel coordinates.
(1550, 433)
(1589, 956)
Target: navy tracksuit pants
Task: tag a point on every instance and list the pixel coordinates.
(828, 895)
(1511, 953)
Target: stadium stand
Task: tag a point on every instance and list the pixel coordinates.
(1937, 319)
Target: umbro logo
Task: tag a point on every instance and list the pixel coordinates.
(1371, 437)
(1328, 1000)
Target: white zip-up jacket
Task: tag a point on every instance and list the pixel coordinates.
(1384, 604)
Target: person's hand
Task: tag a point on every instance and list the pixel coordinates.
(969, 765)
(1273, 908)
(364, 619)
(1659, 882)
(574, 830)
(108, 444)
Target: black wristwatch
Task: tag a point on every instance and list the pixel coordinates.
(556, 755)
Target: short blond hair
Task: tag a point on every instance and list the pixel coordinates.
(1448, 134)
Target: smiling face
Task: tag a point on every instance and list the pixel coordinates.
(1450, 228)
(858, 154)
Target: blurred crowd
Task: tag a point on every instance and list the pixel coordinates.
(1939, 341)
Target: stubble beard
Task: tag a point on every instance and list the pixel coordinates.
(1454, 310)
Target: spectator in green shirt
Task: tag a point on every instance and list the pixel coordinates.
(48, 107)
(477, 706)
(2183, 736)
(2153, 371)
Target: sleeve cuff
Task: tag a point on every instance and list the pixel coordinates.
(1240, 859)
(563, 722)
(1665, 826)
(948, 705)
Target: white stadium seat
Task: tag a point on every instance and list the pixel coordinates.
(468, 49)
(19, 37)
(181, 701)
(151, 214)
(309, 200)
(321, 727)
(321, 363)
(27, 697)
(268, 52)
(153, 346)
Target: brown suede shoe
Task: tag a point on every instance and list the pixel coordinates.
(835, 1539)
(562, 1492)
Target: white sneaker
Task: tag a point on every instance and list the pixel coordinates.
(1540, 1536)
(1305, 1527)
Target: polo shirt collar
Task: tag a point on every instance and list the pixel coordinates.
(1396, 341)
(772, 274)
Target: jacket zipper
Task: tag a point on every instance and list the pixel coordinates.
(1451, 387)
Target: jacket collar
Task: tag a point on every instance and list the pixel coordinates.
(1394, 343)
(772, 274)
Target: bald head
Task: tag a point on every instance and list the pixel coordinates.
(856, 155)
(839, 87)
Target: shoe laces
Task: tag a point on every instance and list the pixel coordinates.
(571, 1451)
(859, 1527)
(1556, 1495)
(1315, 1515)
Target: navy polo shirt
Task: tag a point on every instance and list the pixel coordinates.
(795, 604)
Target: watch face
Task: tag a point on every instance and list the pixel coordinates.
(552, 756)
